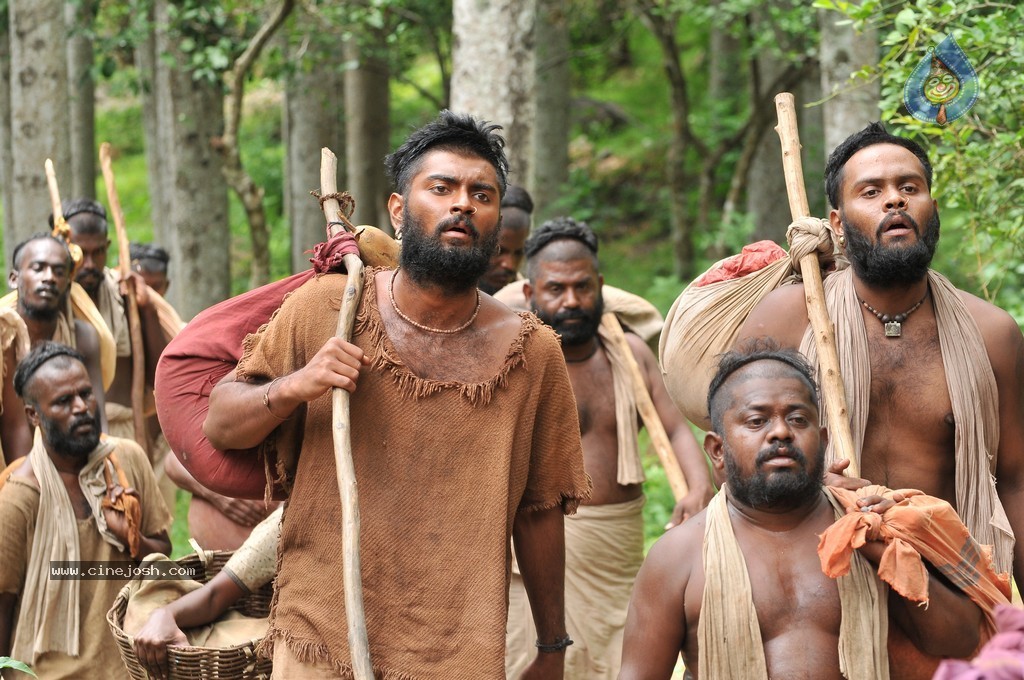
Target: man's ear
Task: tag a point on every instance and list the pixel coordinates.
(824, 437)
(395, 205)
(836, 221)
(12, 280)
(32, 415)
(715, 448)
(528, 293)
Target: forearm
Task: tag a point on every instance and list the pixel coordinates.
(205, 605)
(8, 602)
(153, 339)
(540, 551)
(238, 417)
(692, 461)
(182, 479)
(160, 543)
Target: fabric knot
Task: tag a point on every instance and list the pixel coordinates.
(807, 235)
(327, 256)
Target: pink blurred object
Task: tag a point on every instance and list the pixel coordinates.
(1002, 657)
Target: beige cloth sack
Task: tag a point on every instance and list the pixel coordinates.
(706, 317)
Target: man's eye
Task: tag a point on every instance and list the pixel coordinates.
(484, 198)
(910, 188)
(870, 193)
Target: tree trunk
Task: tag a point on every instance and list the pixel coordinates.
(553, 121)
(39, 116)
(156, 172)
(495, 78)
(313, 119)
(845, 52)
(367, 133)
(79, 15)
(812, 138)
(766, 187)
(6, 164)
(198, 235)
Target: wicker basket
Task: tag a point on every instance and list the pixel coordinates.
(201, 663)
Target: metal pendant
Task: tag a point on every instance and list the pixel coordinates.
(893, 329)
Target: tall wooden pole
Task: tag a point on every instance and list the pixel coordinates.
(134, 320)
(833, 391)
(358, 643)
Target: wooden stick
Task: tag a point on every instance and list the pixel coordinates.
(56, 209)
(833, 391)
(359, 645)
(134, 320)
(648, 413)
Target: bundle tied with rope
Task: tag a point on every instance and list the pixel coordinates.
(705, 319)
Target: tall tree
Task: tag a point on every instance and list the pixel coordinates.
(197, 234)
(313, 119)
(146, 58)
(79, 16)
(850, 105)
(39, 118)
(367, 126)
(239, 179)
(6, 164)
(553, 121)
(495, 78)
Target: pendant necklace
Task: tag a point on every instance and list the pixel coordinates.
(893, 323)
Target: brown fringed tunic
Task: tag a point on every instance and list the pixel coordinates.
(443, 468)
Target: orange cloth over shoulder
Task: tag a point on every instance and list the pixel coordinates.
(917, 528)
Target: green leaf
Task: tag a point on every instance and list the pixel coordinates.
(8, 662)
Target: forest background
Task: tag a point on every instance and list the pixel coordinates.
(650, 119)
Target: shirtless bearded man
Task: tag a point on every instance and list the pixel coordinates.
(760, 538)
(934, 375)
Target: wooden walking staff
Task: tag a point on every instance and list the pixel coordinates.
(60, 225)
(833, 391)
(648, 413)
(359, 645)
(124, 265)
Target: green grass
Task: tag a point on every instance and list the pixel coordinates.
(179, 530)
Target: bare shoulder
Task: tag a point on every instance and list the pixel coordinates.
(781, 315)
(87, 338)
(1004, 342)
(673, 556)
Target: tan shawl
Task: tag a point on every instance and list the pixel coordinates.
(972, 391)
(729, 635)
(111, 306)
(13, 335)
(48, 620)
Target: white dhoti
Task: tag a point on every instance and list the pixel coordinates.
(603, 553)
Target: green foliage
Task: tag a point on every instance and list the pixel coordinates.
(977, 158)
(14, 664)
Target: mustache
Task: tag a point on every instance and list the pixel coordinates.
(83, 420)
(570, 314)
(458, 220)
(891, 217)
(792, 450)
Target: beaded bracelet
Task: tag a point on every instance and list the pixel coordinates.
(558, 645)
(266, 400)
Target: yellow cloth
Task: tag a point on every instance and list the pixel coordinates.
(14, 342)
(729, 636)
(254, 564)
(80, 306)
(972, 392)
(604, 547)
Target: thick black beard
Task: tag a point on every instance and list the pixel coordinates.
(573, 335)
(891, 266)
(43, 314)
(429, 262)
(783, 490)
(63, 443)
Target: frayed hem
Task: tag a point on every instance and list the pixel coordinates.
(308, 651)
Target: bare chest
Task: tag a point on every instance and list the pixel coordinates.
(594, 390)
(910, 435)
